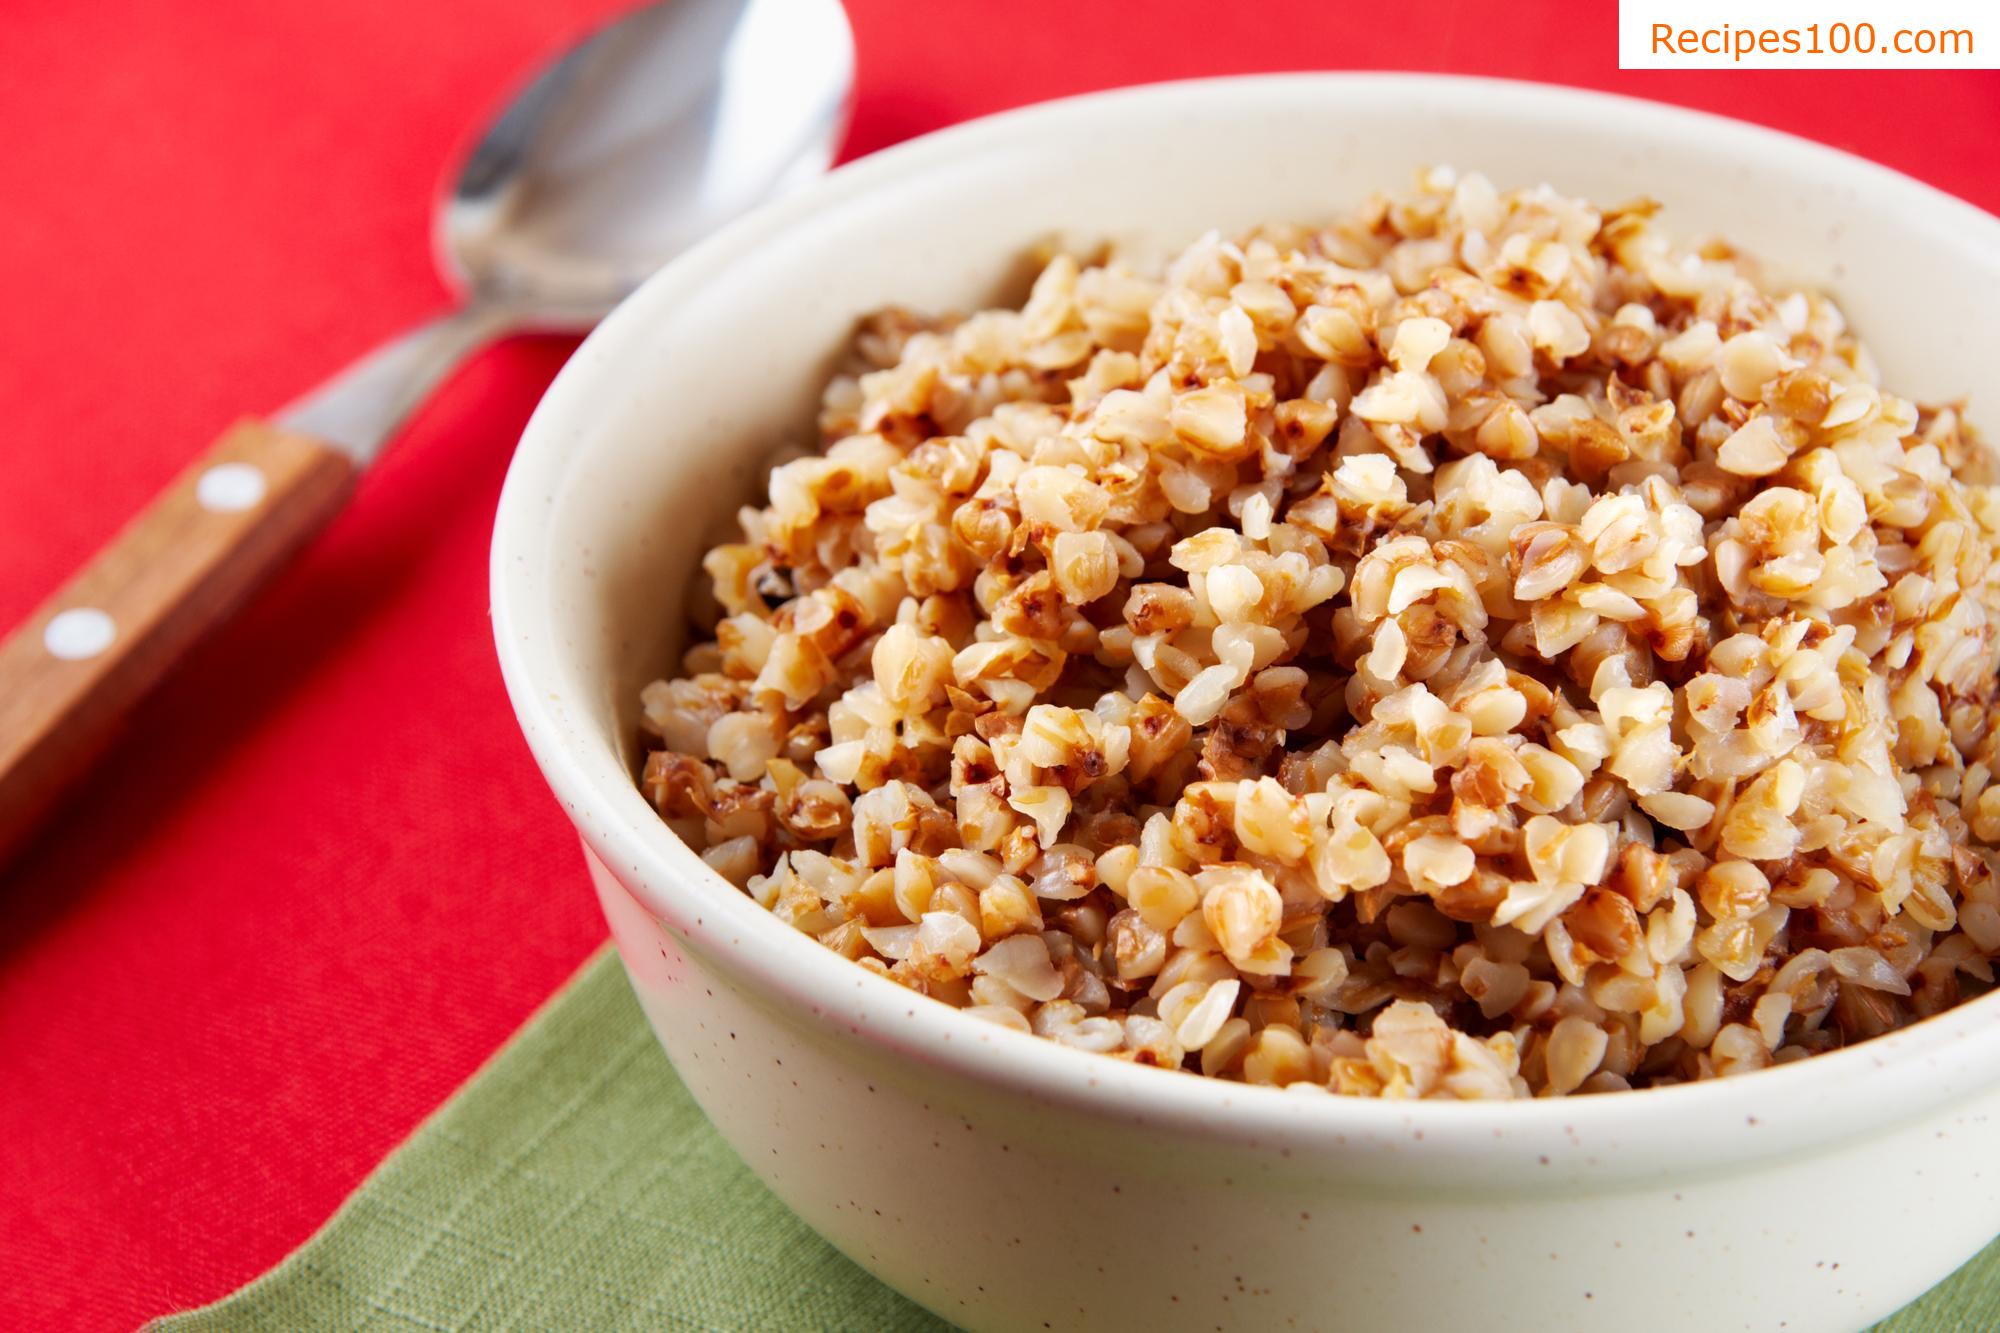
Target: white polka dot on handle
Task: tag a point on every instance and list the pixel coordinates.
(229, 488)
(79, 633)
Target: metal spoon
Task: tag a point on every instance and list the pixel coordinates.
(633, 144)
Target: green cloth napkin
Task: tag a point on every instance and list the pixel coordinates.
(573, 1183)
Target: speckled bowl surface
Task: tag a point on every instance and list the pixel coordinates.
(1009, 1183)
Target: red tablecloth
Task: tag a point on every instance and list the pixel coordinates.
(322, 881)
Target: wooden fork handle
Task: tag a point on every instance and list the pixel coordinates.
(74, 671)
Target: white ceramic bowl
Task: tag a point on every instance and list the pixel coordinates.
(1006, 1182)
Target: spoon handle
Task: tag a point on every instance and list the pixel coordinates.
(72, 673)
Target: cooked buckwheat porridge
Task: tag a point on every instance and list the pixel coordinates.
(1478, 648)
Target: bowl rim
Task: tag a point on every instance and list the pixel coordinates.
(1940, 1060)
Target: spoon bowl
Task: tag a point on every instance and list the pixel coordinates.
(644, 138)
